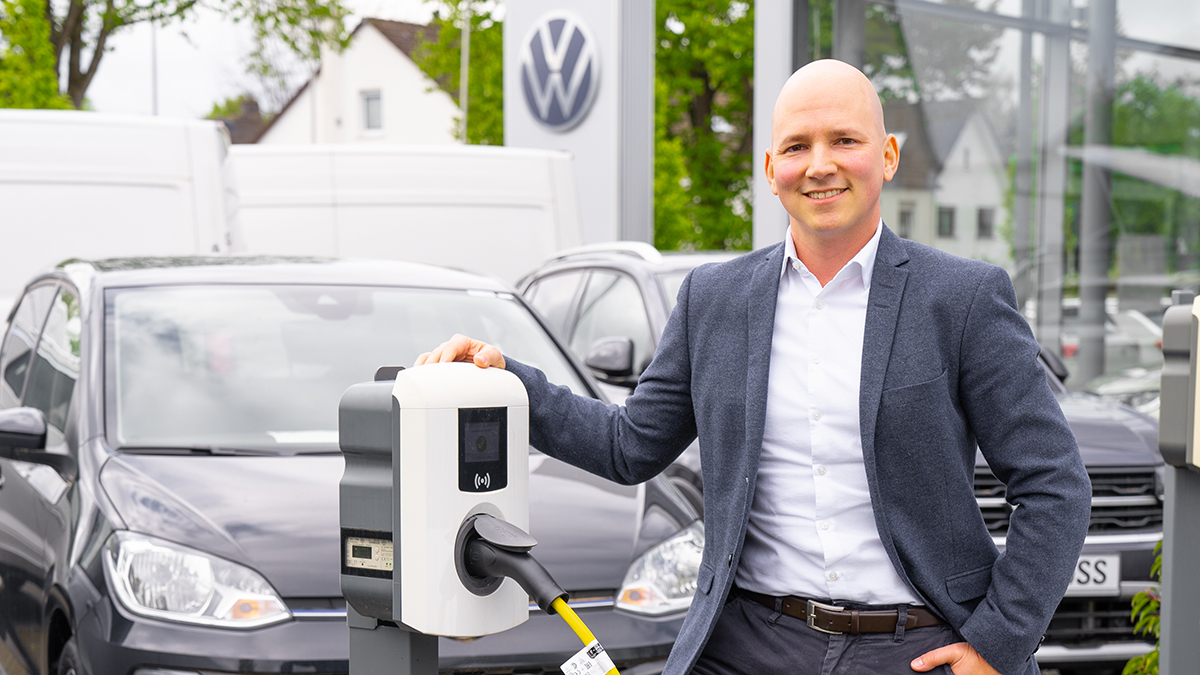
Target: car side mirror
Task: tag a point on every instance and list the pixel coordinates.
(21, 429)
(1055, 364)
(611, 360)
(23, 437)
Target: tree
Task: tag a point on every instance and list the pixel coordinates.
(80, 29)
(27, 75)
(441, 61)
(705, 67)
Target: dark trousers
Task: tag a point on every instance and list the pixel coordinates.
(751, 639)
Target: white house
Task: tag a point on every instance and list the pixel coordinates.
(372, 92)
(949, 191)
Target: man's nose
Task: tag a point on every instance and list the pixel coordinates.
(821, 164)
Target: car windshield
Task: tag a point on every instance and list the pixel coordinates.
(264, 367)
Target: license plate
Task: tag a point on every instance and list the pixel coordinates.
(1096, 575)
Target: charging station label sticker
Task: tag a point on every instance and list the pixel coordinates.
(591, 660)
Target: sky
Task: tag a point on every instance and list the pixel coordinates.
(202, 61)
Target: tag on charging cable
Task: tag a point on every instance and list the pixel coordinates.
(591, 660)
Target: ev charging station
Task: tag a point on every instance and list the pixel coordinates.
(1180, 447)
(434, 512)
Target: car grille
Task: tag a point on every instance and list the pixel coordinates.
(1124, 500)
(1083, 621)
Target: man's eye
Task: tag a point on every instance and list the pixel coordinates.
(794, 148)
(844, 141)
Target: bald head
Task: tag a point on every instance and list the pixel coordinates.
(828, 161)
(829, 84)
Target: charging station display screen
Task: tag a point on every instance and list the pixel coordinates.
(482, 449)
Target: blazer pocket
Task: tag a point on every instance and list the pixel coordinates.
(969, 585)
(704, 579)
(912, 393)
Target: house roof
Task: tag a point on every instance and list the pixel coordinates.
(945, 121)
(403, 35)
(406, 36)
(919, 162)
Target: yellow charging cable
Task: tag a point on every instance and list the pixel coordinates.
(564, 610)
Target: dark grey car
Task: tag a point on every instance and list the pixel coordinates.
(183, 516)
(610, 303)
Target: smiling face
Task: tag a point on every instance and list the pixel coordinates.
(830, 155)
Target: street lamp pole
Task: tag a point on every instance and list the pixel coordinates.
(464, 74)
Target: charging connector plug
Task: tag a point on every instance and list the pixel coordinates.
(486, 559)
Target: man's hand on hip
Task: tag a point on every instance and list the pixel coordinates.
(960, 656)
(463, 348)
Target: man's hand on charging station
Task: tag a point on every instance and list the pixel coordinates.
(463, 348)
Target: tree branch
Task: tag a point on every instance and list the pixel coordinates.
(60, 34)
(106, 27)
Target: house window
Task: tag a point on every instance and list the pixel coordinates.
(986, 220)
(946, 221)
(372, 111)
(906, 220)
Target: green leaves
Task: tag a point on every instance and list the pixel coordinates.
(1146, 617)
(441, 61)
(704, 124)
(27, 75)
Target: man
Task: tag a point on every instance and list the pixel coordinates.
(838, 383)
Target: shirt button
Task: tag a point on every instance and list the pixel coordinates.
(820, 305)
(816, 359)
(825, 525)
(821, 470)
(816, 414)
(833, 576)
(796, 265)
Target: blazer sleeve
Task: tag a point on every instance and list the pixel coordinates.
(627, 444)
(1023, 434)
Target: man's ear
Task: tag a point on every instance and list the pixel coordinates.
(891, 157)
(769, 169)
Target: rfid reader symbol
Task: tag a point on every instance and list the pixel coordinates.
(485, 480)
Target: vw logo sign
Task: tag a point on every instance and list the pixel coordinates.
(560, 70)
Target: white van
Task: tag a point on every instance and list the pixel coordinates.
(90, 185)
(494, 210)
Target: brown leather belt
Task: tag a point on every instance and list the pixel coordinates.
(836, 620)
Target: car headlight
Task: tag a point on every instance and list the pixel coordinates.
(663, 579)
(168, 581)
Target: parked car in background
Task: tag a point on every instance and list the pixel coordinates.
(610, 304)
(1137, 387)
(182, 516)
(97, 185)
(507, 208)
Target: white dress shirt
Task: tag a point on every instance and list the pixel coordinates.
(812, 531)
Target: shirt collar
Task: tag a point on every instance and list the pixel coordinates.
(864, 259)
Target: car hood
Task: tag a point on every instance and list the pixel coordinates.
(1110, 434)
(279, 515)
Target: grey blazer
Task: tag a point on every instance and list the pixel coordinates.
(948, 363)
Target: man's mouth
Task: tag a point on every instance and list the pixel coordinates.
(825, 194)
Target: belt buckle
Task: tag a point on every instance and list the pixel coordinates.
(812, 616)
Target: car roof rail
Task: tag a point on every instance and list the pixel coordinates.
(637, 249)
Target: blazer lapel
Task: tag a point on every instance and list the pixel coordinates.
(883, 309)
(760, 326)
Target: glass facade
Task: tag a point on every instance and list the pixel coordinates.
(1059, 139)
